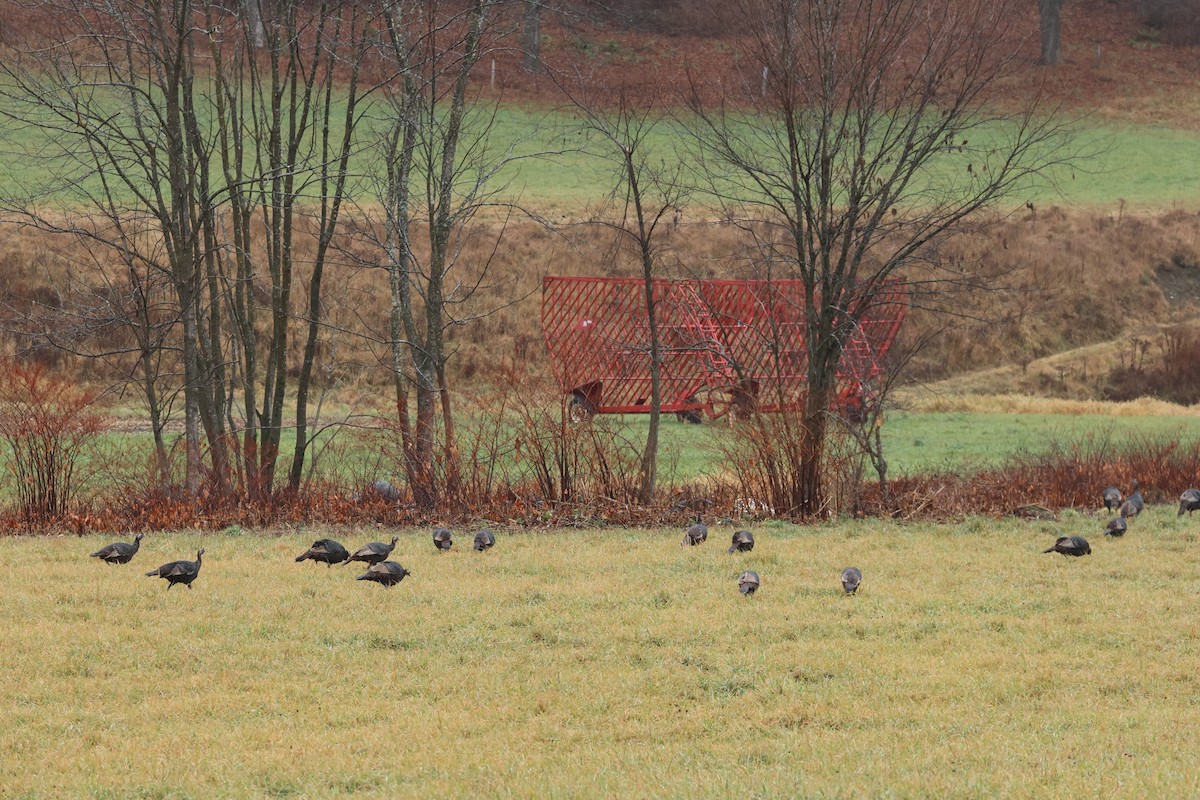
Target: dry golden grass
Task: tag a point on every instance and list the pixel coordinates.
(611, 663)
(934, 400)
(1079, 284)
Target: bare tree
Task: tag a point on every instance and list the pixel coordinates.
(123, 317)
(873, 139)
(105, 99)
(648, 190)
(178, 148)
(440, 162)
(863, 421)
(287, 119)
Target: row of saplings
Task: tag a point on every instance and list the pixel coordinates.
(1126, 508)
(389, 573)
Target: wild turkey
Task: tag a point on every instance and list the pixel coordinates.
(695, 534)
(122, 552)
(386, 573)
(1117, 526)
(743, 542)
(326, 551)
(384, 490)
(378, 490)
(1133, 504)
(851, 578)
(178, 571)
(1071, 546)
(1113, 499)
(442, 540)
(1189, 501)
(484, 539)
(373, 552)
(748, 582)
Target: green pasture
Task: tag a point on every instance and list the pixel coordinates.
(556, 168)
(914, 443)
(964, 441)
(610, 664)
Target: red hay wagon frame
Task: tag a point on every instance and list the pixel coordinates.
(724, 345)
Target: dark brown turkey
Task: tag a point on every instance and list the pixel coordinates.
(122, 552)
(743, 542)
(325, 551)
(178, 571)
(373, 552)
(748, 582)
(385, 573)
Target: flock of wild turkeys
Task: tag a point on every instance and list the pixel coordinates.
(1125, 508)
(389, 573)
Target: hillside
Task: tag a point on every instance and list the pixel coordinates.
(1106, 266)
(1115, 64)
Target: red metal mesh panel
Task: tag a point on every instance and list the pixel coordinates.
(717, 339)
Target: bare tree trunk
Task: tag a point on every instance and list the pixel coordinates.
(191, 403)
(424, 480)
(531, 37)
(1049, 16)
(649, 470)
(809, 499)
(881, 468)
(396, 281)
(254, 23)
(450, 444)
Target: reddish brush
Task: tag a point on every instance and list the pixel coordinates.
(1069, 474)
(46, 423)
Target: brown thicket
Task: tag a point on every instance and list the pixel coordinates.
(1166, 367)
(47, 425)
(1071, 473)
(545, 474)
(1171, 21)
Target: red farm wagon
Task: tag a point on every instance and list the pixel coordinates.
(724, 345)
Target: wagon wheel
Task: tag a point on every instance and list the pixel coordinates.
(732, 400)
(580, 409)
(718, 402)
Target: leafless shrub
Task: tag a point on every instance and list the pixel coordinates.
(46, 424)
(1173, 373)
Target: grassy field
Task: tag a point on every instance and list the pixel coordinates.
(611, 664)
(932, 441)
(915, 442)
(1141, 166)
